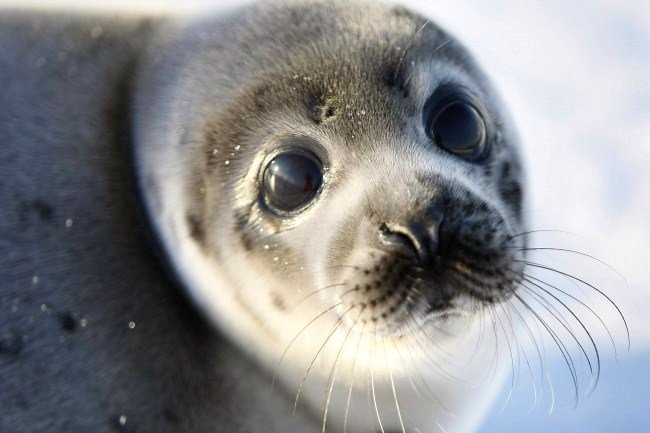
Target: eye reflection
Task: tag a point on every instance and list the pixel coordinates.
(460, 129)
(455, 122)
(291, 181)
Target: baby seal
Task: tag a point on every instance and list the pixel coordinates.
(333, 184)
(337, 187)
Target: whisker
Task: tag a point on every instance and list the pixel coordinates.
(441, 427)
(550, 382)
(372, 381)
(332, 377)
(315, 292)
(593, 343)
(580, 253)
(512, 360)
(495, 362)
(540, 231)
(426, 385)
(408, 47)
(563, 350)
(611, 337)
(522, 350)
(392, 384)
(546, 305)
(277, 367)
(343, 266)
(311, 364)
(533, 340)
(620, 313)
(354, 363)
(428, 355)
(408, 79)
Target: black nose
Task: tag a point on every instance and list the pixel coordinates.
(419, 237)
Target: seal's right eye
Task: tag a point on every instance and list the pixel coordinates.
(291, 181)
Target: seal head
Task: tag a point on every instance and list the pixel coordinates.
(338, 187)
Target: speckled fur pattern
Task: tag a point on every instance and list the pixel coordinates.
(93, 334)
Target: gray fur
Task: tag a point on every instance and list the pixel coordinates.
(69, 361)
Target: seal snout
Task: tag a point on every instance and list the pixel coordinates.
(420, 237)
(427, 260)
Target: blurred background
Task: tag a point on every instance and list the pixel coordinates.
(575, 76)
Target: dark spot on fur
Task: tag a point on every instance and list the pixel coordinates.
(11, 345)
(469, 208)
(512, 194)
(44, 211)
(278, 302)
(170, 415)
(196, 228)
(505, 170)
(240, 226)
(321, 109)
(38, 208)
(390, 75)
(68, 322)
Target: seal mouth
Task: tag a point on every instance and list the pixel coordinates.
(396, 291)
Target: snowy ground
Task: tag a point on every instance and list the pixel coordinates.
(575, 76)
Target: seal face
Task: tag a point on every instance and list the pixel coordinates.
(336, 190)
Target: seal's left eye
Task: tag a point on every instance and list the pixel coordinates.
(457, 122)
(291, 181)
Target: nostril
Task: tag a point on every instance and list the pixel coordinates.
(400, 239)
(421, 241)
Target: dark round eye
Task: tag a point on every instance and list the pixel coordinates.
(456, 121)
(459, 128)
(292, 180)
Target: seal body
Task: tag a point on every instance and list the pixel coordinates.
(93, 336)
(367, 301)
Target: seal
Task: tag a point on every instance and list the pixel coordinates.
(338, 189)
(335, 185)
